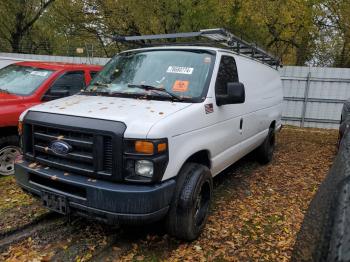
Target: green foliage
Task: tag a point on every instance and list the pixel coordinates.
(18, 18)
(335, 24)
(284, 27)
(299, 31)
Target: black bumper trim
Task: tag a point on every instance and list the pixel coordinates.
(116, 218)
(109, 202)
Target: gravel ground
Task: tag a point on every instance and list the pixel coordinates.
(256, 214)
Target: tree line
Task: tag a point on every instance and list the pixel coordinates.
(300, 32)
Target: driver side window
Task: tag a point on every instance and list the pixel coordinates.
(72, 82)
(227, 74)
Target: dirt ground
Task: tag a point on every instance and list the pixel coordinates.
(256, 214)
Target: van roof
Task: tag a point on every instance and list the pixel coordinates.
(179, 47)
(204, 48)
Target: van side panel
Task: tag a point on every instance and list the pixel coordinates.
(263, 104)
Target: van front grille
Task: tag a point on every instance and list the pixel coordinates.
(91, 147)
(88, 151)
(108, 155)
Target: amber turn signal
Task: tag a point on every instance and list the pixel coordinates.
(144, 147)
(162, 147)
(20, 127)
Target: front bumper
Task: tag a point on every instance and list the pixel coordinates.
(112, 203)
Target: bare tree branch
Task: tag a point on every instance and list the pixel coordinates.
(43, 7)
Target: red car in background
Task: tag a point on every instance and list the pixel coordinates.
(26, 84)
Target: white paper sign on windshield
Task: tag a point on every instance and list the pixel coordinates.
(180, 70)
(38, 73)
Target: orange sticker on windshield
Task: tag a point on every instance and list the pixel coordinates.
(181, 86)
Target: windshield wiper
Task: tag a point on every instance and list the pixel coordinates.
(3, 90)
(153, 88)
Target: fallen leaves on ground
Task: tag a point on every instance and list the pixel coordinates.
(16, 207)
(256, 214)
(258, 210)
(27, 252)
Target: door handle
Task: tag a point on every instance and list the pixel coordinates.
(241, 125)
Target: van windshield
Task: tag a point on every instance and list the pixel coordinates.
(177, 73)
(22, 80)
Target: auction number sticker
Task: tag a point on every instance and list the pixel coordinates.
(180, 70)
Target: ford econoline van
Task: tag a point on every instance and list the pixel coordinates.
(153, 128)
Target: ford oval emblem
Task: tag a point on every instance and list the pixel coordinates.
(60, 147)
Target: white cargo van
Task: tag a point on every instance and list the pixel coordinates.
(144, 140)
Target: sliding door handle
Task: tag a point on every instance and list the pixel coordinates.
(241, 125)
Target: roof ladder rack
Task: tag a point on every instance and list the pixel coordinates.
(218, 37)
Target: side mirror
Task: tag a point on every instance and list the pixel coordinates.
(55, 94)
(235, 94)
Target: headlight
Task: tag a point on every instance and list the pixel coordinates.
(144, 168)
(145, 160)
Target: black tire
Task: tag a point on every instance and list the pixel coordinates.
(267, 148)
(6, 142)
(189, 209)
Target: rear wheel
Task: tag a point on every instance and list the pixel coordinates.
(189, 209)
(266, 150)
(9, 150)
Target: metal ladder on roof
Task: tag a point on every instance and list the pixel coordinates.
(218, 37)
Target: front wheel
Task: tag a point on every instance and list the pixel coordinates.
(189, 209)
(9, 150)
